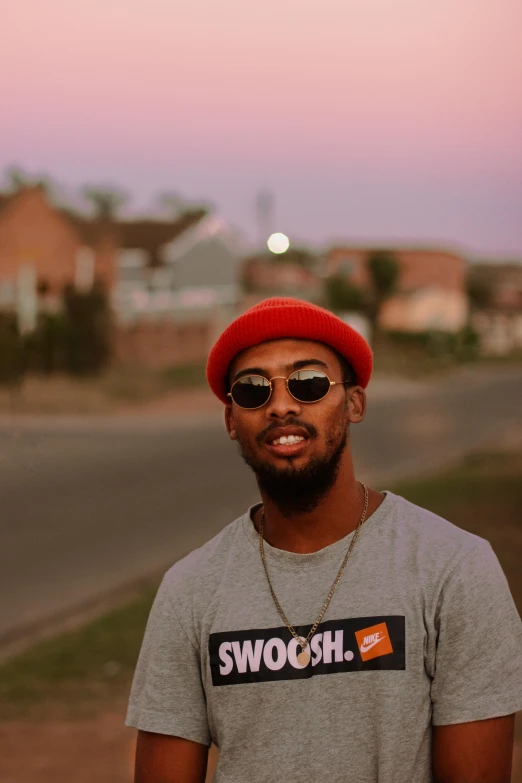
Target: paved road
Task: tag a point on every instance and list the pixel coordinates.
(89, 506)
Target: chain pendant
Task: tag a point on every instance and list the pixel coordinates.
(303, 659)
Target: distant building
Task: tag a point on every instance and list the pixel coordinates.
(431, 290)
(192, 266)
(173, 283)
(208, 254)
(501, 284)
(147, 265)
(497, 314)
(295, 274)
(51, 246)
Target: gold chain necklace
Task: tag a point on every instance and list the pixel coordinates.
(304, 657)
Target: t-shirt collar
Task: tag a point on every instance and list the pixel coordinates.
(332, 551)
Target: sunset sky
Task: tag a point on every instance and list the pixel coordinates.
(369, 120)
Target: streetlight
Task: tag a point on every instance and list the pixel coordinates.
(278, 243)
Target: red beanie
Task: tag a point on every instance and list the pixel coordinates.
(277, 318)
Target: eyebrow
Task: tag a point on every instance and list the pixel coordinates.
(298, 365)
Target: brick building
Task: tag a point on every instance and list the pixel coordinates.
(59, 247)
(65, 247)
(497, 307)
(431, 289)
(142, 263)
(283, 276)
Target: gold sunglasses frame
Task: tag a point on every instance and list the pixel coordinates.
(276, 377)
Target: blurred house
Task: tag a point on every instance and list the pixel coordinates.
(165, 267)
(176, 289)
(496, 292)
(172, 282)
(47, 247)
(431, 290)
(206, 255)
(295, 274)
(191, 250)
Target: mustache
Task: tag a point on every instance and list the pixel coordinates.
(311, 430)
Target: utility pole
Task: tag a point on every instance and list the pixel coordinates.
(264, 216)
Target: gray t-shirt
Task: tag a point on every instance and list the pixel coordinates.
(421, 631)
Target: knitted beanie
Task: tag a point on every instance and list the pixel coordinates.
(277, 318)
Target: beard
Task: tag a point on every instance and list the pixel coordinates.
(299, 490)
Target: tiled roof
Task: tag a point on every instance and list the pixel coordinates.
(152, 234)
(147, 234)
(144, 234)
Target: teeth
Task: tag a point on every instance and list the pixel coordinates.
(287, 439)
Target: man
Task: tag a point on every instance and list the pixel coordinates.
(332, 632)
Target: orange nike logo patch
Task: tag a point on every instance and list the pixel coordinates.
(374, 641)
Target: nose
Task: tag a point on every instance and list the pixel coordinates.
(281, 404)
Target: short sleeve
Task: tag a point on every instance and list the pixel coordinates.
(478, 661)
(167, 695)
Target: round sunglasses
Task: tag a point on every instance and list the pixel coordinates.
(254, 391)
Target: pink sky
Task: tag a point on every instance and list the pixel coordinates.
(369, 119)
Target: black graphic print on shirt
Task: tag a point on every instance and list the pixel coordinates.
(270, 654)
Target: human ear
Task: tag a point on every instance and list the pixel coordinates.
(230, 423)
(356, 404)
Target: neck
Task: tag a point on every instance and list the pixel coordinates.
(337, 514)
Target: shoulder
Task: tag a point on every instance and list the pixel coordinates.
(198, 575)
(437, 544)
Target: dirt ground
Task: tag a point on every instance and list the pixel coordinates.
(97, 749)
(61, 397)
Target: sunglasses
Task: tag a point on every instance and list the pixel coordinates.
(254, 391)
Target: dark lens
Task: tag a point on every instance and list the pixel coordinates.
(252, 391)
(308, 385)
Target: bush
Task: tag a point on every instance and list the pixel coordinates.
(341, 296)
(86, 334)
(462, 345)
(181, 375)
(12, 351)
(468, 344)
(45, 347)
(75, 341)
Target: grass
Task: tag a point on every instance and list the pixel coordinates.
(407, 357)
(184, 375)
(410, 361)
(484, 496)
(79, 670)
(124, 384)
(80, 667)
(130, 383)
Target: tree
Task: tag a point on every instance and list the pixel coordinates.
(343, 296)
(12, 354)
(171, 203)
(16, 178)
(384, 274)
(106, 201)
(87, 338)
(480, 293)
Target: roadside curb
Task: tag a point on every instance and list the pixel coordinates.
(16, 642)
